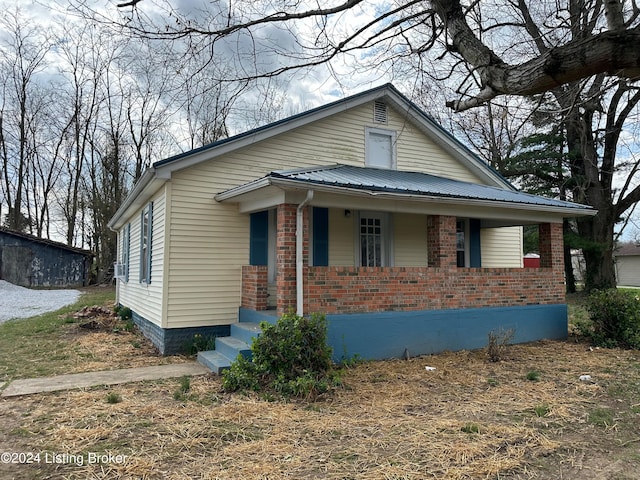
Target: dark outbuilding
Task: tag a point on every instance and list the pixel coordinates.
(30, 261)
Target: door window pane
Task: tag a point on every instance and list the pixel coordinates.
(460, 243)
(371, 242)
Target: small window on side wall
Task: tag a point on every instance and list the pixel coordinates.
(126, 245)
(380, 148)
(146, 223)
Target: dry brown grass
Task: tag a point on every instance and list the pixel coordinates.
(467, 419)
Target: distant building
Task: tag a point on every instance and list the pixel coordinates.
(531, 260)
(30, 261)
(627, 264)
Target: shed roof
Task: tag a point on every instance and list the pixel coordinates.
(44, 241)
(627, 249)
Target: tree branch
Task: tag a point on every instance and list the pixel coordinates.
(610, 52)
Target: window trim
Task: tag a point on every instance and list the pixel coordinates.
(125, 254)
(386, 237)
(145, 253)
(465, 232)
(368, 150)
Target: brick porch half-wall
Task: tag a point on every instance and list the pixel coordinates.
(254, 287)
(333, 290)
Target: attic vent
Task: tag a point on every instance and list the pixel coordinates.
(379, 112)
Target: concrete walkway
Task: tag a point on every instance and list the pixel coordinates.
(109, 377)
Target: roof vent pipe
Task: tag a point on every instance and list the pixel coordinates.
(299, 254)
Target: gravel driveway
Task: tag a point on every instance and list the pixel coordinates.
(20, 302)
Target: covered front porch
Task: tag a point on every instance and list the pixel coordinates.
(436, 285)
(399, 271)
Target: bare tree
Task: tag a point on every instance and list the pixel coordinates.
(583, 52)
(488, 38)
(81, 102)
(24, 53)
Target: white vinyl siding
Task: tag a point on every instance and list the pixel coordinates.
(146, 298)
(209, 241)
(410, 240)
(501, 247)
(341, 238)
(628, 270)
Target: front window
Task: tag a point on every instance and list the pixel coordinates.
(380, 148)
(371, 241)
(145, 243)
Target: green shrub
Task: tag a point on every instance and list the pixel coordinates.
(291, 358)
(113, 397)
(615, 318)
(199, 343)
(124, 313)
(185, 386)
(470, 428)
(533, 376)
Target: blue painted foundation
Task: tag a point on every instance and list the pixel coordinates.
(390, 334)
(171, 341)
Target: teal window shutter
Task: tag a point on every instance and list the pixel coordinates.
(259, 238)
(320, 237)
(146, 224)
(475, 260)
(126, 251)
(150, 242)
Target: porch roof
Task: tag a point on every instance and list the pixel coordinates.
(384, 183)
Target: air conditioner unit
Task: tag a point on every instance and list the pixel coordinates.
(120, 271)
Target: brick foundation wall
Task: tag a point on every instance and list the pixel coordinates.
(254, 287)
(333, 290)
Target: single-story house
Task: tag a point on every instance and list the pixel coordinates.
(365, 210)
(627, 264)
(31, 261)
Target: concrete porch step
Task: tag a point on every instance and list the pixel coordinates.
(228, 348)
(231, 347)
(245, 331)
(214, 361)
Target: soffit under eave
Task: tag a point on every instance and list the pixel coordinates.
(492, 214)
(135, 202)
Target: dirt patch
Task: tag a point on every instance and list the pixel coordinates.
(98, 339)
(467, 418)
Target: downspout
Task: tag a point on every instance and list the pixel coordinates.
(299, 254)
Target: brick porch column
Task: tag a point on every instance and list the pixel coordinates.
(441, 241)
(551, 245)
(286, 258)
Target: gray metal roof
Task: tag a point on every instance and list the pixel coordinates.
(413, 183)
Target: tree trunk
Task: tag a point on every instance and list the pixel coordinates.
(598, 251)
(596, 233)
(570, 277)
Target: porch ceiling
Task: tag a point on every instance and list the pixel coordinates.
(349, 187)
